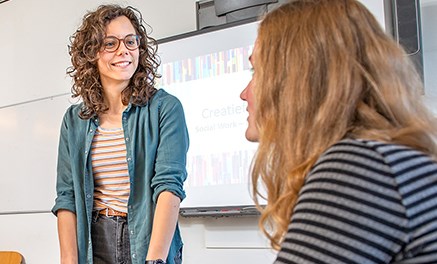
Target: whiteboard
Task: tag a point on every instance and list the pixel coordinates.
(29, 135)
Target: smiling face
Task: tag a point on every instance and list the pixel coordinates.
(248, 96)
(116, 68)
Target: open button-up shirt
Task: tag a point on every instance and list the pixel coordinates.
(156, 139)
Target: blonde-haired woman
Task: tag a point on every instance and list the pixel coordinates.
(347, 151)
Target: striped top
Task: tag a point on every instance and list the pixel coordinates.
(111, 176)
(365, 202)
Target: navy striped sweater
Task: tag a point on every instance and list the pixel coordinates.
(365, 202)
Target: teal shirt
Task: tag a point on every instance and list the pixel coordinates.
(156, 140)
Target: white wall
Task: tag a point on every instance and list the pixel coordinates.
(224, 240)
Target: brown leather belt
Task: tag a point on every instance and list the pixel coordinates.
(112, 212)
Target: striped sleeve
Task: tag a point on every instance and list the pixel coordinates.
(355, 208)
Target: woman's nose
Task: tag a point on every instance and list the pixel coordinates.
(243, 94)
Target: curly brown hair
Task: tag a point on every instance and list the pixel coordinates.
(87, 41)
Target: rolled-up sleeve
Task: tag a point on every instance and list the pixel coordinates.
(170, 166)
(64, 183)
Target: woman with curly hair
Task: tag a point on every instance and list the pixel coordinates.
(347, 151)
(122, 150)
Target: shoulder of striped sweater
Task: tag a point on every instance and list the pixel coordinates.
(350, 146)
(383, 148)
(351, 142)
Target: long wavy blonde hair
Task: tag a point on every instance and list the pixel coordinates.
(325, 70)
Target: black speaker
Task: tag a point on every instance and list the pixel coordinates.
(407, 29)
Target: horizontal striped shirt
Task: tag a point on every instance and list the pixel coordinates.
(365, 202)
(110, 171)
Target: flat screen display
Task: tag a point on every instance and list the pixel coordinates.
(207, 73)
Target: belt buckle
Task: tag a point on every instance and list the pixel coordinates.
(106, 211)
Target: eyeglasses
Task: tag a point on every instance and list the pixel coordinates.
(131, 41)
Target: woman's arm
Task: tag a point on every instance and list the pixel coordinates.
(170, 173)
(67, 236)
(164, 224)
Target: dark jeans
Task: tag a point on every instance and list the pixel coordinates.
(110, 238)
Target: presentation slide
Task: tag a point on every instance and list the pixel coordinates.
(207, 72)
